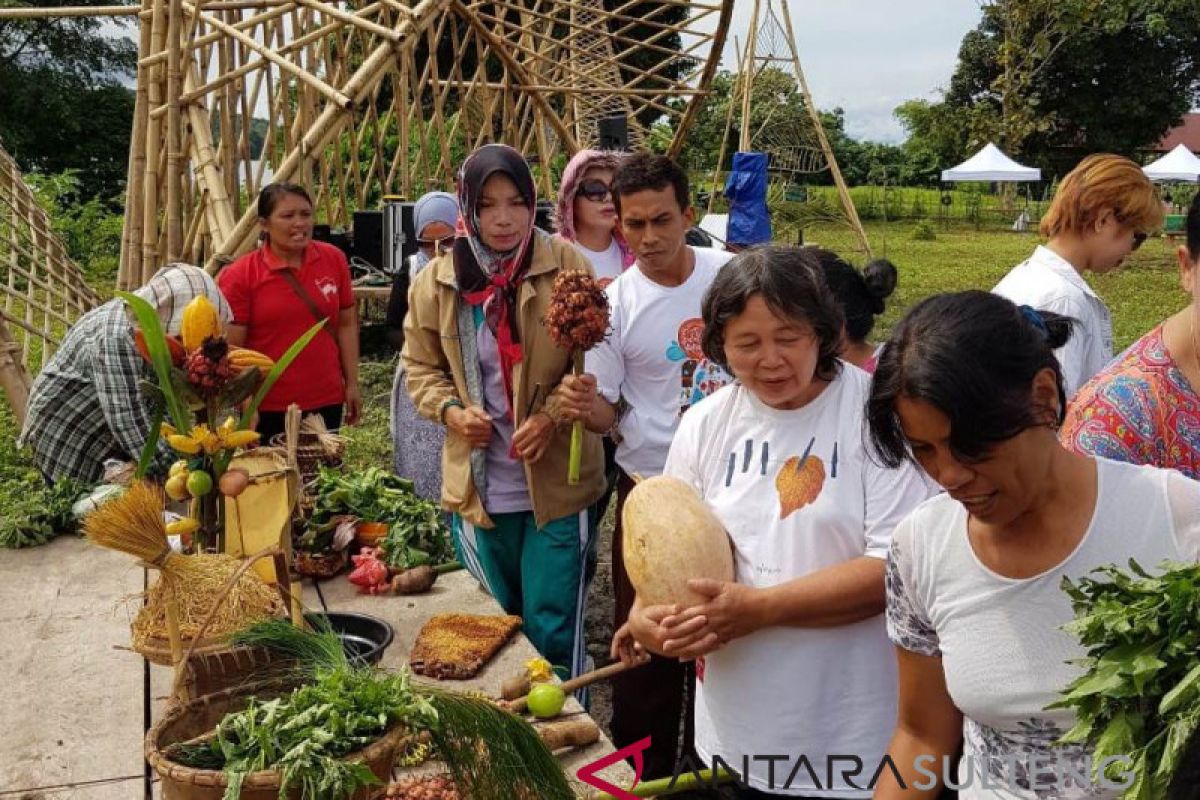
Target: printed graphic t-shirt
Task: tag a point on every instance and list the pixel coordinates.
(652, 358)
(606, 263)
(275, 317)
(798, 493)
(1001, 640)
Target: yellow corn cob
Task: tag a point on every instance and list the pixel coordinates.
(200, 321)
(240, 358)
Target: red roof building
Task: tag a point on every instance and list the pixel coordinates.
(1187, 133)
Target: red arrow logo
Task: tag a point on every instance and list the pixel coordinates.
(587, 773)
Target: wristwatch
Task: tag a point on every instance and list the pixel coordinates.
(453, 402)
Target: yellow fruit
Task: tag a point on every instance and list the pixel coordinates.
(182, 527)
(240, 439)
(670, 537)
(176, 487)
(180, 467)
(184, 444)
(200, 321)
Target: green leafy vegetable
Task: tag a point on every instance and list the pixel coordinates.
(37, 513)
(1140, 694)
(417, 531)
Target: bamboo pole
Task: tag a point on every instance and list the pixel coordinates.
(216, 36)
(332, 94)
(710, 68)
(41, 12)
(129, 275)
(747, 77)
(330, 121)
(150, 184)
(174, 134)
(13, 377)
(838, 180)
(353, 19)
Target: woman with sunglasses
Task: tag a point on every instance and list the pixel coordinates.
(1144, 407)
(416, 441)
(481, 362)
(968, 388)
(586, 215)
(1103, 211)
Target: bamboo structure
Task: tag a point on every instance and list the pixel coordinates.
(793, 138)
(357, 100)
(42, 292)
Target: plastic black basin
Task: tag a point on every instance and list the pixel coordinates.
(364, 638)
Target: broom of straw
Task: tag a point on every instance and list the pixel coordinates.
(133, 524)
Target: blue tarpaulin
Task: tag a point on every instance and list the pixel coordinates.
(746, 190)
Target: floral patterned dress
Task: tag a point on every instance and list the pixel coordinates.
(1140, 409)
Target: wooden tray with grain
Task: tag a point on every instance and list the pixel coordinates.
(456, 646)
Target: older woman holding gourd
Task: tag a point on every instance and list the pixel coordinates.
(793, 655)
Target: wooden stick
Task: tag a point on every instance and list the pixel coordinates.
(150, 175)
(174, 134)
(587, 679)
(40, 12)
(291, 426)
(353, 19)
(710, 68)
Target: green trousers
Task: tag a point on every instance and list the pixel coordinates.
(537, 574)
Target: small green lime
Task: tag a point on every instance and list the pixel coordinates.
(199, 483)
(546, 700)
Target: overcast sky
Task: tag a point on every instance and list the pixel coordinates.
(869, 56)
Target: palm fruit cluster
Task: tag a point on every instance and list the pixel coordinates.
(208, 368)
(577, 317)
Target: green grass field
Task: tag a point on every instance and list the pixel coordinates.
(1140, 295)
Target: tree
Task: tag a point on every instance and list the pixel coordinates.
(62, 102)
(1051, 79)
(937, 139)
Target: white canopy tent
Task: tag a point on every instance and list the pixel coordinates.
(990, 164)
(1181, 164)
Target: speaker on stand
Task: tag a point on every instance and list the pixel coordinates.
(614, 133)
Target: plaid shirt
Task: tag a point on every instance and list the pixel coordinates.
(86, 406)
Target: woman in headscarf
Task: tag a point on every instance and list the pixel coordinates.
(86, 406)
(480, 361)
(586, 215)
(417, 442)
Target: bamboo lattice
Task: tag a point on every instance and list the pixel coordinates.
(42, 290)
(358, 99)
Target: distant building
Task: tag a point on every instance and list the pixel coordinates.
(1187, 133)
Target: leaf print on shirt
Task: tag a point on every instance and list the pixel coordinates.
(799, 481)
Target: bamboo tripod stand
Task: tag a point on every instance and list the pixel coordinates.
(795, 145)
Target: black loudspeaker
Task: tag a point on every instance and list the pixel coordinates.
(614, 133)
(368, 237)
(338, 238)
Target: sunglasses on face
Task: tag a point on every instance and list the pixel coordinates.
(595, 190)
(1138, 238)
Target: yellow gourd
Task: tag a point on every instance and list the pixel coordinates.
(669, 537)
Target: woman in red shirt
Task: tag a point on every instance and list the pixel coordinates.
(277, 292)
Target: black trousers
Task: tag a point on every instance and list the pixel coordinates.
(271, 422)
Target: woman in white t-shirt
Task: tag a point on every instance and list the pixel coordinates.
(586, 215)
(969, 388)
(793, 657)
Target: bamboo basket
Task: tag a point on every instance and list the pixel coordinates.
(311, 455)
(196, 718)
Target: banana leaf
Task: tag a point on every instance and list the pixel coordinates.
(283, 363)
(160, 357)
(239, 388)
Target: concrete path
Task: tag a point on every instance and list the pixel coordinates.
(71, 698)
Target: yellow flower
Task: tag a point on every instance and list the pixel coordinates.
(184, 444)
(235, 439)
(166, 430)
(539, 670)
(209, 440)
(228, 426)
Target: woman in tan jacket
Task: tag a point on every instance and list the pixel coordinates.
(480, 362)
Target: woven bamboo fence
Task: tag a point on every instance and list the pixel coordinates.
(357, 99)
(42, 290)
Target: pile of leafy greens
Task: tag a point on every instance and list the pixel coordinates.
(417, 532)
(33, 514)
(341, 708)
(1140, 695)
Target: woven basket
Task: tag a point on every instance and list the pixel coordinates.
(321, 566)
(311, 455)
(211, 672)
(186, 722)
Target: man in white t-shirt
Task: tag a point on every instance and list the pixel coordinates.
(1102, 212)
(650, 367)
